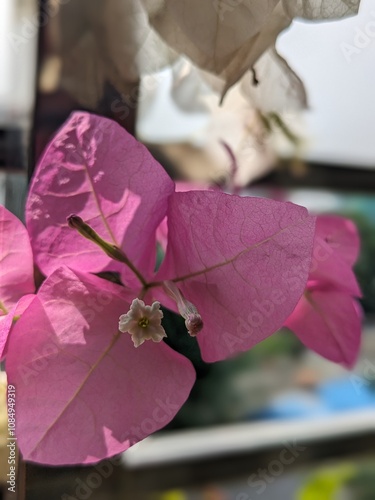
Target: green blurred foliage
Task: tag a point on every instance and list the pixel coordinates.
(365, 267)
(327, 483)
(357, 479)
(227, 391)
(362, 485)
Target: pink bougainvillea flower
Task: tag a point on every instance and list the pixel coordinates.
(327, 318)
(218, 244)
(16, 271)
(235, 268)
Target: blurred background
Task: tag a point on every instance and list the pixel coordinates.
(278, 421)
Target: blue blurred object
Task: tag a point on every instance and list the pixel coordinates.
(330, 397)
(345, 394)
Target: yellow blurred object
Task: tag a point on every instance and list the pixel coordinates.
(327, 483)
(173, 495)
(3, 429)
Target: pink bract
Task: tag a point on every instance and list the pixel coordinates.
(83, 391)
(242, 262)
(336, 247)
(327, 319)
(95, 169)
(16, 271)
(341, 235)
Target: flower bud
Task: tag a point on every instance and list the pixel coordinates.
(75, 222)
(188, 311)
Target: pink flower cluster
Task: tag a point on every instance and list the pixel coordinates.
(235, 268)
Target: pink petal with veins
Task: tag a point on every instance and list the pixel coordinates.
(95, 169)
(329, 323)
(243, 262)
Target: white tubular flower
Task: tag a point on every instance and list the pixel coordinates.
(143, 322)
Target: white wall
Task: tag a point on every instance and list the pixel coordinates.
(18, 46)
(336, 60)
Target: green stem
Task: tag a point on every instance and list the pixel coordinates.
(3, 308)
